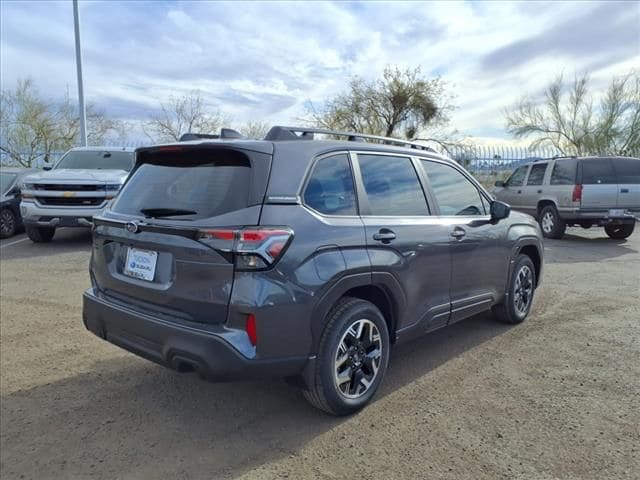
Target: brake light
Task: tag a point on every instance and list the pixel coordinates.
(251, 329)
(577, 194)
(255, 248)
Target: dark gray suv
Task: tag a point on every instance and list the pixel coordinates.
(301, 258)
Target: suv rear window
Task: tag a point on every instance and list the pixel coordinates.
(627, 170)
(564, 172)
(596, 171)
(197, 188)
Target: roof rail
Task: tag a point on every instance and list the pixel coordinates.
(556, 157)
(224, 133)
(307, 133)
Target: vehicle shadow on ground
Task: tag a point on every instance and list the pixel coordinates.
(66, 240)
(573, 248)
(128, 418)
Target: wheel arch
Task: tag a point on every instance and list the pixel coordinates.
(381, 289)
(543, 203)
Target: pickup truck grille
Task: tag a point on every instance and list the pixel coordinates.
(71, 201)
(67, 188)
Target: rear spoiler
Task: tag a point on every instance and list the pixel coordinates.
(225, 133)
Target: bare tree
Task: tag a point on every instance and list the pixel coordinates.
(254, 129)
(401, 102)
(32, 127)
(181, 115)
(568, 120)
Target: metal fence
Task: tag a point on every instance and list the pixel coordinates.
(484, 161)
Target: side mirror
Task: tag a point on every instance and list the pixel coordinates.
(499, 183)
(499, 210)
(47, 167)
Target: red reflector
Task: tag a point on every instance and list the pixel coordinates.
(275, 249)
(251, 329)
(577, 193)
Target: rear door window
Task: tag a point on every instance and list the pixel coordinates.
(200, 187)
(564, 172)
(330, 187)
(597, 171)
(517, 178)
(536, 175)
(627, 170)
(392, 186)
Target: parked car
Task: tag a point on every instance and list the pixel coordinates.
(577, 191)
(74, 190)
(304, 259)
(10, 218)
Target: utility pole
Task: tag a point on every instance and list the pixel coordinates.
(83, 113)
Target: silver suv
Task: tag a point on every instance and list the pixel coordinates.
(577, 191)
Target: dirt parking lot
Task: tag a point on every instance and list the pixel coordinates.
(556, 397)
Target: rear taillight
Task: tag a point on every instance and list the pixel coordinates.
(255, 248)
(577, 194)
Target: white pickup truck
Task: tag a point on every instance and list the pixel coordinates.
(75, 189)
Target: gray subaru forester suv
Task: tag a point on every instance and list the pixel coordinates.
(572, 191)
(301, 258)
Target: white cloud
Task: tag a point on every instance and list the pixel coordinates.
(261, 60)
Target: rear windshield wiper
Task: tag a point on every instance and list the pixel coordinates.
(165, 212)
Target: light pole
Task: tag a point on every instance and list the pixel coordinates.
(83, 113)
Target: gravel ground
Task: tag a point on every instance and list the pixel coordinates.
(556, 397)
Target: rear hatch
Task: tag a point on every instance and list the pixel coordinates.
(599, 184)
(628, 174)
(149, 252)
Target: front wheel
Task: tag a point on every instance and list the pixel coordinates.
(8, 223)
(40, 234)
(620, 231)
(352, 358)
(517, 304)
(551, 224)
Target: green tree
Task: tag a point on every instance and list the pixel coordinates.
(402, 102)
(569, 119)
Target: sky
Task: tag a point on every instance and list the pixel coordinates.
(264, 61)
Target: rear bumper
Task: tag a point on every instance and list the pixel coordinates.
(600, 216)
(37, 215)
(184, 348)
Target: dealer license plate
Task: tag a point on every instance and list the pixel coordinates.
(616, 213)
(141, 264)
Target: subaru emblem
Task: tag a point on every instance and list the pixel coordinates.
(132, 227)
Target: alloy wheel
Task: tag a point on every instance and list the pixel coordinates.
(357, 360)
(7, 222)
(523, 292)
(547, 222)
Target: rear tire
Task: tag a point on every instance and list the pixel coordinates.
(551, 224)
(40, 234)
(8, 223)
(352, 358)
(517, 304)
(620, 231)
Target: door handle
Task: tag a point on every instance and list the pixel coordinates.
(539, 191)
(624, 190)
(519, 191)
(384, 235)
(458, 233)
